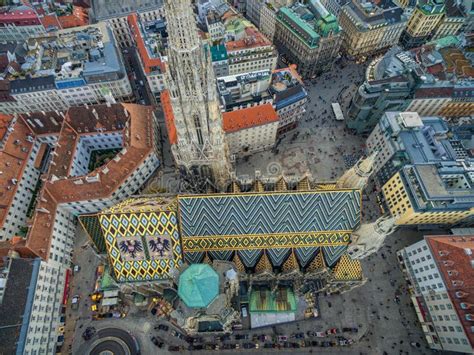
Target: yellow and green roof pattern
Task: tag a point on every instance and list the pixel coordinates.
(143, 245)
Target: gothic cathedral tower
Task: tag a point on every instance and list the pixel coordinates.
(200, 150)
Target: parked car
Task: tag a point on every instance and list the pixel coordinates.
(249, 346)
(75, 302)
(299, 335)
(163, 327)
(282, 338)
(350, 330)
(332, 331)
(244, 312)
(268, 345)
(76, 269)
(157, 342)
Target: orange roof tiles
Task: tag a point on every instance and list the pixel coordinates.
(169, 116)
(253, 38)
(149, 63)
(50, 21)
(456, 263)
(249, 117)
(4, 124)
(138, 145)
(14, 154)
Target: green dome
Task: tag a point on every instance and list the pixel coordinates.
(198, 285)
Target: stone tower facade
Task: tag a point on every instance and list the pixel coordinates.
(200, 151)
(358, 176)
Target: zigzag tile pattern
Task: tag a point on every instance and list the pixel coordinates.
(268, 213)
(278, 256)
(333, 254)
(305, 255)
(250, 257)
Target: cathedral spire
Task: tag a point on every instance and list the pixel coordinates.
(358, 176)
(200, 150)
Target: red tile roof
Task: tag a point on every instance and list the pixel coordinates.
(248, 117)
(50, 21)
(20, 16)
(169, 116)
(149, 63)
(253, 38)
(14, 155)
(455, 255)
(138, 145)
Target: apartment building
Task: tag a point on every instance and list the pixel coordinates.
(402, 138)
(308, 36)
(425, 18)
(76, 183)
(18, 23)
(31, 295)
(432, 80)
(115, 14)
(69, 67)
(438, 193)
(244, 90)
(369, 28)
(250, 130)
(289, 97)
(250, 53)
(438, 272)
(150, 41)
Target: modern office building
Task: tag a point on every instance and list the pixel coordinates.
(435, 79)
(369, 28)
(425, 17)
(67, 68)
(115, 14)
(438, 270)
(308, 36)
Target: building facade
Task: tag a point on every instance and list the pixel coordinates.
(368, 29)
(250, 130)
(115, 14)
(250, 53)
(308, 36)
(437, 271)
(425, 18)
(149, 39)
(18, 23)
(425, 80)
(90, 70)
(191, 107)
(290, 98)
(430, 194)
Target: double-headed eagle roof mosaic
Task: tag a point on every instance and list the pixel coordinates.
(145, 238)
